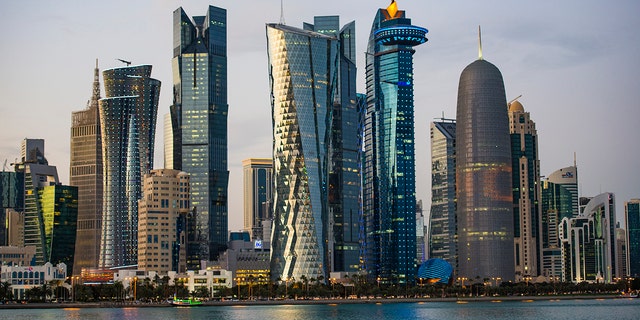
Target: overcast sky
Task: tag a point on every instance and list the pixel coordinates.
(576, 63)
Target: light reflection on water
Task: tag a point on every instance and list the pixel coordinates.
(618, 309)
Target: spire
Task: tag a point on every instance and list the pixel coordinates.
(480, 44)
(282, 12)
(93, 103)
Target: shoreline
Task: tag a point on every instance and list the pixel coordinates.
(81, 305)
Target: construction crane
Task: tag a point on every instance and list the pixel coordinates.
(128, 63)
(516, 98)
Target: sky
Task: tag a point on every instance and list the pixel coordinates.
(576, 64)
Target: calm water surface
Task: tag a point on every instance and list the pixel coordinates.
(611, 309)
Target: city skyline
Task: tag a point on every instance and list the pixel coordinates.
(561, 60)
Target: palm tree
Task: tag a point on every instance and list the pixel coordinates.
(5, 291)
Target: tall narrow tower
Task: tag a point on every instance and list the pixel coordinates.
(86, 174)
(199, 125)
(483, 175)
(389, 189)
(128, 117)
(526, 191)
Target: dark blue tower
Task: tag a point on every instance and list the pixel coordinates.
(389, 200)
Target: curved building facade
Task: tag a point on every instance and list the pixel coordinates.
(483, 175)
(127, 120)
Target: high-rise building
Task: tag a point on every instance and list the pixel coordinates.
(526, 191)
(199, 123)
(57, 218)
(622, 268)
(162, 211)
(345, 149)
(389, 187)
(85, 172)
(632, 221)
(559, 200)
(32, 150)
(128, 117)
(302, 76)
(442, 219)
(483, 175)
(588, 242)
(11, 198)
(258, 194)
(421, 244)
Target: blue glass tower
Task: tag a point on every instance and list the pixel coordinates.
(632, 220)
(389, 200)
(199, 123)
(128, 117)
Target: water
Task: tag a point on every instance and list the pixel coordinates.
(614, 309)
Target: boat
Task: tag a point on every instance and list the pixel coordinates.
(185, 302)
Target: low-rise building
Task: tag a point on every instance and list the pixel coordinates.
(23, 278)
(17, 256)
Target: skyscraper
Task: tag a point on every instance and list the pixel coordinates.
(559, 200)
(258, 194)
(389, 190)
(345, 149)
(57, 221)
(128, 117)
(85, 172)
(11, 199)
(199, 123)
(483, 175)
(302, 76)
(442, 220)
(588, 242)
(632, 221)
(526, 190)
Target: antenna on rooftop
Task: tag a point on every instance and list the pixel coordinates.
(479, 44)
(282, 12)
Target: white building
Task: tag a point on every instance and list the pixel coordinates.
(23, 278)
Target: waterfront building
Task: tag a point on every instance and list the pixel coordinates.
(258, 195)
(632, 221)
(442, 216)
(302, 77)
(162, 213)
(559, 200)
(85, 172)
(23, 278)
(248, 260)
(483, 175)
(526, 191)
(344, 149)
(199, 124)
(17, 255)
(588, 242)
(128, 117)
(55, 240)
(389, 194)
(622, 267)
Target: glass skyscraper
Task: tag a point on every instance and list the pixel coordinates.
(559, 200)
(58, 217)
(258, 195)
(11, 197)
(526, 190)
(483, 176)
(128, 117)
(389, 186)
(199, 125)
(86, 174)
(442, 220)
(632, 221)
(302, 76)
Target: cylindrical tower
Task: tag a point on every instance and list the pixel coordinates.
(483, 176)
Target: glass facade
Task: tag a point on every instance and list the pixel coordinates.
(86, 174)
(128, 117)
(442, 220)
(11, 197)
(559, 200)
(483, 175)
(199, 124)
(36, 177)
(632, 217)
(302, 77)
(258, 195)
(59, 214)
(526, 190)
(389, 198)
